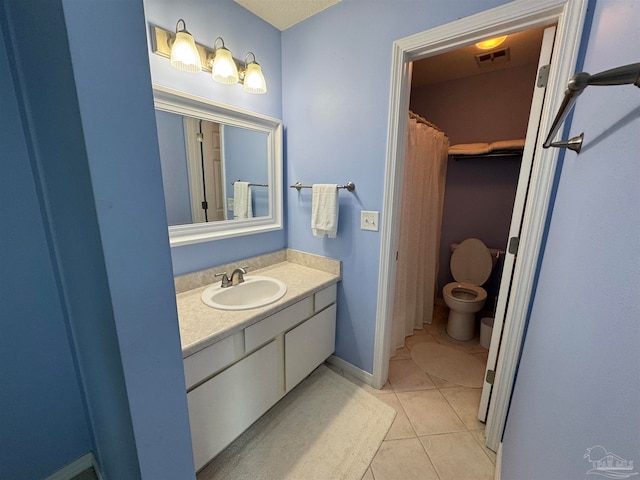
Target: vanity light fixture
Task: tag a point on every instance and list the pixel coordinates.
(223, 67)
(491, 43)
(184, 54)
(253, 79)
(187, 55)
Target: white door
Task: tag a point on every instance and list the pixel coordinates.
(206, 170)
(535, 114)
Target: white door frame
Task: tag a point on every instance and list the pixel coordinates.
(515, 16)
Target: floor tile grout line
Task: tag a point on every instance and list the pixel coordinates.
(406, 415)
(455, 411)
(435, 469)
(483, 448)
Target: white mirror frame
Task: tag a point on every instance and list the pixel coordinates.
(181, 103)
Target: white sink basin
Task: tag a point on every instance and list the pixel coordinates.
(254, 292)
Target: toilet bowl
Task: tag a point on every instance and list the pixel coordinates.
(471, 264)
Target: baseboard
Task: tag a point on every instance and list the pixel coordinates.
(351, 369)
(76, 468)
(498, 463)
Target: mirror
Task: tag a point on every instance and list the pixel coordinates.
(209, 151)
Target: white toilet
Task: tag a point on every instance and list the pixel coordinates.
(471, 265)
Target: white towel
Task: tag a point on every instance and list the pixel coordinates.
(242, 200)
(324, 210)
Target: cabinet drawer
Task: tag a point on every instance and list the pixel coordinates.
(207, 361)
(266, 329)
(308, 345)
(226, 405)
(325, 297)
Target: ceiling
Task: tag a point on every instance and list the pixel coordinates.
(524, 49)
(283, 14)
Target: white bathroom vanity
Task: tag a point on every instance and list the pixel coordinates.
(238, 364)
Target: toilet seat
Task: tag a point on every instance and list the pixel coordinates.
(480, 294)
(471, 262)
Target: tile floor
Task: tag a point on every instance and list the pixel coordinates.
(435, 435)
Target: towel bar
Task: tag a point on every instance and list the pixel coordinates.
(253, 184)
(348, 186)
(628, 74)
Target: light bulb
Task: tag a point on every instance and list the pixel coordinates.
(224, 68)
(254, 81)
(184, 54)
(491, 43)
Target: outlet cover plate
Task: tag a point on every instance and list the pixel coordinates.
(369, 220)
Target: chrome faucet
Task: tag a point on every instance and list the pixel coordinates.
(236, 278)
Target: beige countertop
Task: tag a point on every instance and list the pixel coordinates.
(201, 325)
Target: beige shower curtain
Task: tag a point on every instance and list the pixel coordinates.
(425, 169)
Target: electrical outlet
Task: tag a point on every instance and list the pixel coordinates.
(369, 220)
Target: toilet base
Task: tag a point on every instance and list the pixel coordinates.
(461, 325)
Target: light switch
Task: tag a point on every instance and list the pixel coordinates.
(369, 220)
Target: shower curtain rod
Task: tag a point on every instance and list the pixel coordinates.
(420, 119)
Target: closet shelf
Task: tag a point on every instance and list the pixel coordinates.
(493, 149)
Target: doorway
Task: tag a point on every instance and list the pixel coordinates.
(203, 140)
(483, 106)
(515, 16)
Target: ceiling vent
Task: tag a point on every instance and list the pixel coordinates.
(489, 59)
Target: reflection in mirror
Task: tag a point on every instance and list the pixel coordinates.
(203, 166)
(221, 168)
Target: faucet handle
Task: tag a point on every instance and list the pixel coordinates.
(226, 281)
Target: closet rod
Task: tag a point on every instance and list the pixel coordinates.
(348, 186)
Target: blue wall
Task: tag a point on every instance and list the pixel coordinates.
(242, 32)
(43, 419)
(245, 158)
(336, 79)
(120, 138)
(578, 383)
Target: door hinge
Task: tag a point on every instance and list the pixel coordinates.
(513, 245)
(543, 76)
(396, 256)
(205, 205)
(491, 376)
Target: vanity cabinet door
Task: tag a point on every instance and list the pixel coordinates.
(224, 406)
(308, 345)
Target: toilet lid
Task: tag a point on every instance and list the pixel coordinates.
(471, 262)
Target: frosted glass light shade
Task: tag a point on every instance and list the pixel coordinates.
(491, 43)
(254, 81)
(224, 69)
(184, 54)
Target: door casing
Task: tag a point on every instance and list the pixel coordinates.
(569, 15)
